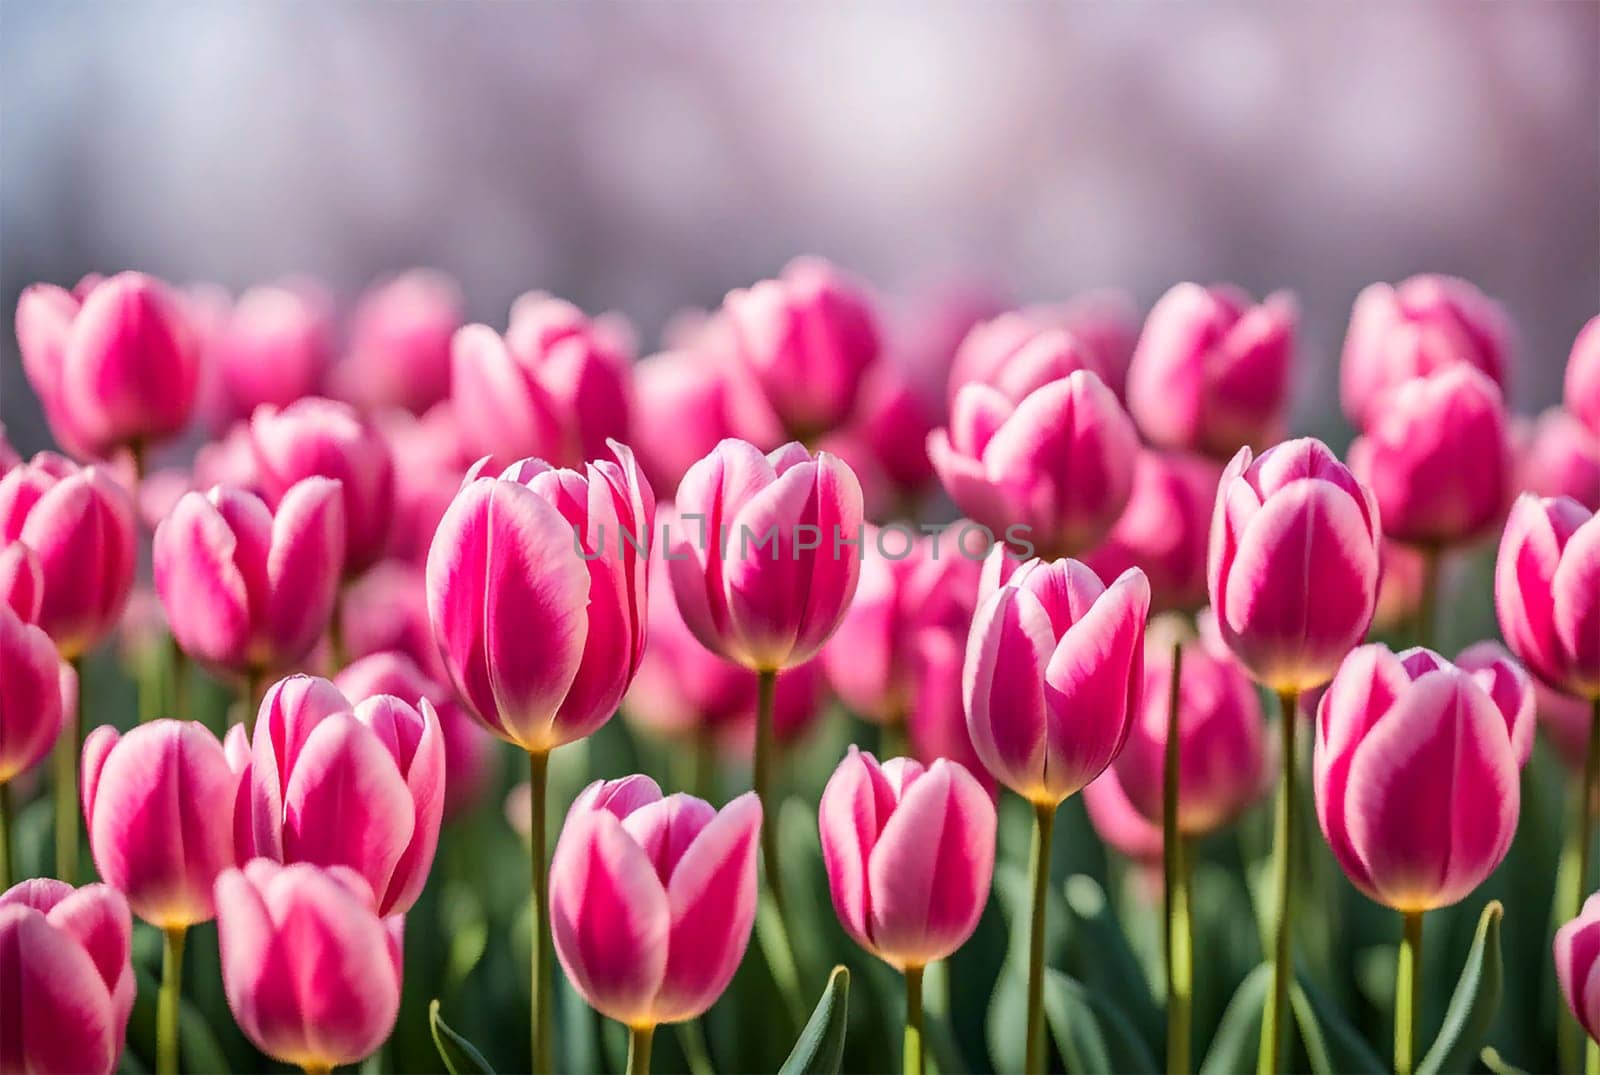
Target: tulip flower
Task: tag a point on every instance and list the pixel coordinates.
(651, 902)
(432, 463)
(1211, 371)
(30, 712)
(246, 590)
(335, 786)
(1414, 328)
(1400, 583)
(683, 409)
(1055, 468)
(273, 347)
(1014, 355)
(1054, 666)
(1397, 735)
(115, 368)
(1121, 826)
(1577, 946)
(399, 353)
(537, 591)
(1583, 376)
(65, 958)
(1560, 456)
(1102, 325)
(387, 610)
(807, 338)
(1164, 528)
(311, 972)
(315, 437)
(909, 853)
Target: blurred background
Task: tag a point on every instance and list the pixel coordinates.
(644, 158)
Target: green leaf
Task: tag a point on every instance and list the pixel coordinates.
(458, 1054)
(1074, 1027)
(1473, 1005)
(1328, 1035)
(1238, 1037)
(820, 1047)
(1496, 1063)
(1098, 943)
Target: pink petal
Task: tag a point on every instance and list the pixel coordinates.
(1003, 687)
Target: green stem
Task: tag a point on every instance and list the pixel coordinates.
(539, 900)
(912, 1058)
(1044, 820)
(69, 744)
(178, 676)
(704, 780)
(1591, 1058)
(639, 1049)
(1272, 1023)
(254, 687)
(692, 1040)
(167, 1003)
(338, 654)
(1569, 1033)
(1428, 599)
(1175, 853)
(5, 836)
(766, 697)
(1407, 992)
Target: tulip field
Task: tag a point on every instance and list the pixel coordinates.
(821, 693)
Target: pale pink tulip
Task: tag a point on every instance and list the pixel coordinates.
(273, 347)
(430, 463)
(399, 353)
(1547, 592)
(1560, 456)
(1119, 824)
(386, 610)
(1577, 955)
(1164, 528)
(31, 701)
(1103, 326)
(1583, 376)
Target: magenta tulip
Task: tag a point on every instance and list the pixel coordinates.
(31, 703)
(1120, 825)
(273, 347)
(909, 853)
(683, 410)
(430, 464)
(387, 610)
(336, 786)
(116, 368)
(652, 899)
(1211, 372)
(399, 353)
(1292, 567)
(1547, 592)
(247, 590)
(65, 959)
(159, 803)
(1055, 469)
(1164, 528)
(311, 973)
(1015, 356)
(1577, 954)
(1414, 328)
(1436, 457)
(1399, 735)
(1100, 328)
(1583, 376)
(1560, 456)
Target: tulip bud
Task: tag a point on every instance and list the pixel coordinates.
(1211, 371)
(312, 932)
(1416, 775)
(1560, 456)
(1583, 376)
(683, 408)
(387, 610)
(1547, 592)
(1054, 665)
(1414, 328)
(1577, 945)
(31, 703)
(652, 899)
(399, 354)
(429, 452)
(1164, 528)
(1292, 567)
(1120, 825)
(65, 956)
(1101, 327)
(273, 347)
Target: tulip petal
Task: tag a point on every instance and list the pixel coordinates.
(1003, 687)
(855, 805)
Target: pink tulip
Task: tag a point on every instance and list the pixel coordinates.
(1547, 592)
(937, 722)
(538, 590)
(430, 466)
(468, 752)
(1120, 825)
(1292, 567)
(1400, 583)
(1414, 328)
(228, 460)
(1054, 666)
(1224, 766)
(652, 899)
(909, 853)
(336, 786)
(1057, 467)
(1016, 356)
(311, 973)
(80, 526)
(1164, 528)
(807, 337)
(1436, 457)
(1583, 376)
(273, 347)
(247, 590)
(1560, 456)
(30, 705)
(315, 437)
(1101, 325)
(1577, 946)
(1211, 372)
(683, 410)
(65, 959)
(1565, 722)
(1416, 773)
(766, 553)
(159, 805)
(21, 581)
(116, 368)
(400, 332)
(387, 610)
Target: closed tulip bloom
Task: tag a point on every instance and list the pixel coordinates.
(759, 561)
(159, 803)
(336, 786)
(118, 368)
(1436, 457)
(1561, 457)
(31, 703)
(1059, 463)
(1414, 328)
(1039, 357)
(80, 526)
(1120, 825)
(1397, 735)
(387, 610)
(1547, 592)
(273, 347)
(65, 956)
(682, 410)
(1292, 567)
(399, 353)
(1577, 954)
(1054, 667)
(426, 481)
(311, 973)
(247, 590)
(1094, 331)
(21, 581)
(538, 590)
(1164, 528)
(652, 899)
(1583, 376)
(909, 853)
(1211, 372)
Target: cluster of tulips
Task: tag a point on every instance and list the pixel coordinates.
(399, 532)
